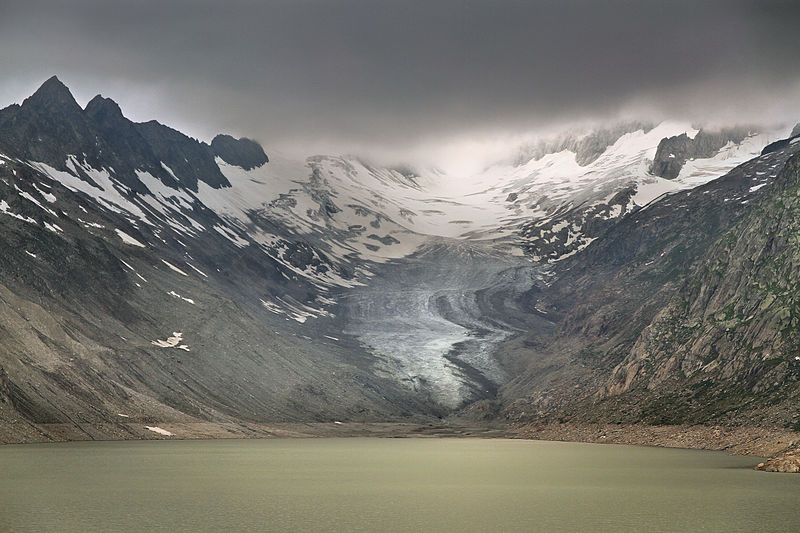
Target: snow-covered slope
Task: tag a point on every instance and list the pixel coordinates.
(558, 206)
(355, 212)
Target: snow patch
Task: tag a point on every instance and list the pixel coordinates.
(197, 270)
(91, 224)
(5, 208)
(652, 189)
(127, 239)
(107, 192)
(134, 271)
(173, 341)
(176, 269)
(176, 295)
(36, 202)
(160, 431)
(53, 227)
(295, 310)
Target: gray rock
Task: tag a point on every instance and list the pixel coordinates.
(673, 152)
(245, 153)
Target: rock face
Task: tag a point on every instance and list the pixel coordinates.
(47, 125)
(188, 159)
(245, 153)
(673, 152)
(733, 321)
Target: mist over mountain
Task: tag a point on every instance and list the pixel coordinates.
(410, 81)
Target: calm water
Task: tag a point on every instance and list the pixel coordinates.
(387, 485)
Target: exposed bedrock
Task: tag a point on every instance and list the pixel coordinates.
(673, 152)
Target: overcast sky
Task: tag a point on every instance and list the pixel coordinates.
(401, 77)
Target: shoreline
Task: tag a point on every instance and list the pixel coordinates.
(750, 441)
(781, 447)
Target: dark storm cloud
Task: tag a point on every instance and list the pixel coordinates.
(387, 74)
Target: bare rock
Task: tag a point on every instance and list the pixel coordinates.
(788, 462)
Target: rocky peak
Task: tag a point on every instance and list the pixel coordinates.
(245, 153)
(52, 97)
(50, 126)
(103, 109)
(47, 127)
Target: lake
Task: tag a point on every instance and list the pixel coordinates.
(387, 485)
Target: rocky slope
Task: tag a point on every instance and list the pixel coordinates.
(682, 313)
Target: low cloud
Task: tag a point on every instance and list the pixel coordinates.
(398, 78)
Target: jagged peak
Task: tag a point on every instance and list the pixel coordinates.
(53, 95)
(53, 83)
(106, 107)
(587, 143)
(154, 126)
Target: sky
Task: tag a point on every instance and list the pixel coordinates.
(432, 81)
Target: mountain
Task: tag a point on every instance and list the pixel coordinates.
(152, 278)
(682, 313)
(127, 300)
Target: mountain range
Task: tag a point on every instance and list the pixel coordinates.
(640, 273)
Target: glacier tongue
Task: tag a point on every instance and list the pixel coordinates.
(433, 319)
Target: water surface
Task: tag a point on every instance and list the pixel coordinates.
(387, 485)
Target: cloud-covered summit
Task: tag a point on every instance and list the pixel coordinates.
(390, 76)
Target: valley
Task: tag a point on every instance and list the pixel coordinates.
(154, 280)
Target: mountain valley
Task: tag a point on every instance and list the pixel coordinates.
(639, 274)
